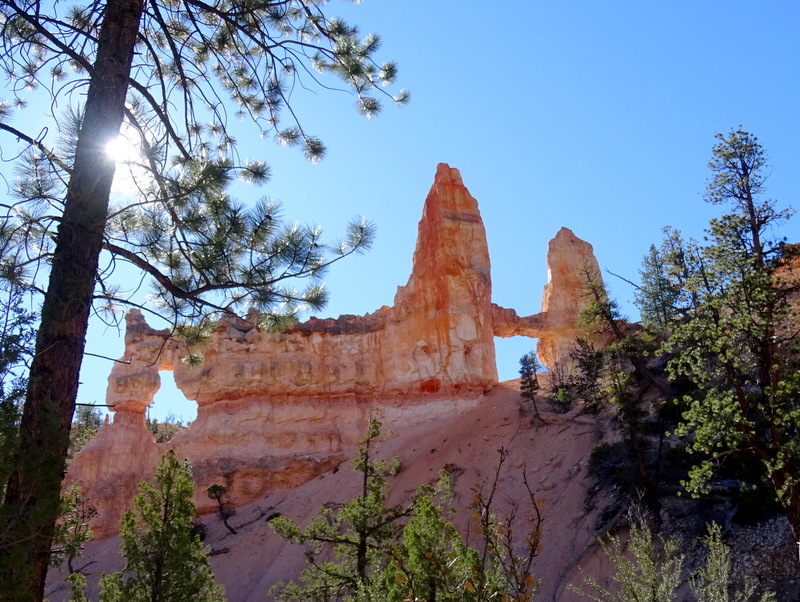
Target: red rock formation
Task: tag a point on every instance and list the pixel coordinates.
(570, 261)
(274, 410)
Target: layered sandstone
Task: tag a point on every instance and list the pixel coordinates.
(276, 409)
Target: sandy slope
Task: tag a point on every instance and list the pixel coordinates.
(554, 453)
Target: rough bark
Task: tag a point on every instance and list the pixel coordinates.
(34, 487)
(789, 496)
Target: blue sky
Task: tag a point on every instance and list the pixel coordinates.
(597, 116)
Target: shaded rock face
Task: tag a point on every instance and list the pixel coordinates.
(275, 410)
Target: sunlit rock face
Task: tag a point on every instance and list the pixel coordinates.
(436, 342)
(570, 261)
(275, 410)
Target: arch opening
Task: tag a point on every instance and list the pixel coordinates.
(508, 351)
(170, 404)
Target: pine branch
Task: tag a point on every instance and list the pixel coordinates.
(51, 156)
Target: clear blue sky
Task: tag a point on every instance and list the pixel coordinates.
(597, 116)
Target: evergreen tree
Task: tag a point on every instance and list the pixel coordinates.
(164, 559)
(72, 530)
(159, 70)
(432, 562)
(619, 373)
(219, 494)
(658, 294)
(362, 551)
(165, 430)
(529, 381)
(587, 378)
(601, 315)
(85, 425)
(16, 346)
(347, 548)
(738, 344)
(77, 585)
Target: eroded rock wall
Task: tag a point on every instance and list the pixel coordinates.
(275, 410)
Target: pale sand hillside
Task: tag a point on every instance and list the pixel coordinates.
(554, 453)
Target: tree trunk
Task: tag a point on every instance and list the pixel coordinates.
(33, 491)
(790, 499)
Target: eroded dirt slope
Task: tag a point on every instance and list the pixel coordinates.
(553, 453)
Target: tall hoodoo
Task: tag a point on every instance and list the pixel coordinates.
(275, 410)
(447, 302)
(570, 262)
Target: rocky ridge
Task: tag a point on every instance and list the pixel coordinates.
(277, 409)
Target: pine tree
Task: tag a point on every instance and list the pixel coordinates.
(738, 344)
(658, 295)
(162, 70)
(619, 373)
(85, 425)
(348, 547)
(164, 559)
(363, 552)
(72, 530)
(529, 381)
(587, 379)
(16, 346)
(165, 430)
(219, 494)
(432, 562)
(77, 583)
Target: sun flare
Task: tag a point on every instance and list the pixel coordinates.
(130, 176)
(121, 150)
